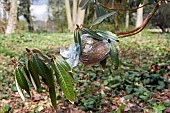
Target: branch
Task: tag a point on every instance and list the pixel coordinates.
(141, 27)
(121, 9)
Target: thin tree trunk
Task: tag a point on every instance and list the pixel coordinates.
(30, 21)
(116, 16)
(68, 14)
(80, 16)
(74, 15)
(127, 19)
(12, 20)
(139, 19)
(1, 10)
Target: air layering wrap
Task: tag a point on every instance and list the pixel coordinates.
(92, 51)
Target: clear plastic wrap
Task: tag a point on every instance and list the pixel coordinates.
(71, 54)
(92, 51)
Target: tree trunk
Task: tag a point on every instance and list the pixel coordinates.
(139, 19)
(80, 16)
(1, 10)
(28, 17)
(68, 14)
(77, 16)
(116, 16)
(127, 19)
(12, 20)
(74, 15)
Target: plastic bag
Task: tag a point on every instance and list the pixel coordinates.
(71, 54)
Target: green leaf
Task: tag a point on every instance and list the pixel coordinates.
(83, 4)
(120, 108)
(19, 90)
(22, 82)
(128, 97)
(65, 82)
(159, 108)
(6, 109)
(100, 10)
(92, 33)
(52, 91)
(129, 89)
(34, 74)
(47, 60)
(77, 38)
(114, 55)
(107, 34)
(63, 63)
(42, 69)
(115, 85)
(103, 64)
(101, 18)
(27, 73)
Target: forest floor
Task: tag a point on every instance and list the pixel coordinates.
(141, 84)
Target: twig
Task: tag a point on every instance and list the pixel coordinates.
(121, 9)
(141, 27)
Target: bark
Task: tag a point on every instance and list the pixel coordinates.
(80, 16)
(127, 19)
(74, 15)
(1, 10)
(139, 19)
(68, 14)
(12, 20)
(116, 16)
(77, 16)
(28, 17)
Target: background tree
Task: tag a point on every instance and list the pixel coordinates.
(75, 15)
(12, 20)
(24, 9)
(139, 19)
(162, 18)
(56, 16)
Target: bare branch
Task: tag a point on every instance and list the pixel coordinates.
(141, 27)
(121, 9)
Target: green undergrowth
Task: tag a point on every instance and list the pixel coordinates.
(143, 70)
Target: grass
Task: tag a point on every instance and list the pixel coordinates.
(137, 56)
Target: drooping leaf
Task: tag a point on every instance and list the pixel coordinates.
(100, 11)
(103, 64)
(52, 91)
(107, 34)
(63, 63)
(22, 82)
(114, 55)
(42, 69)
(65, 83)
(77, 38)
(92, 33)
(27, 73)
(19, 90)
(34, 74)
(83, 4)
(101, 18)
(46, 59)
